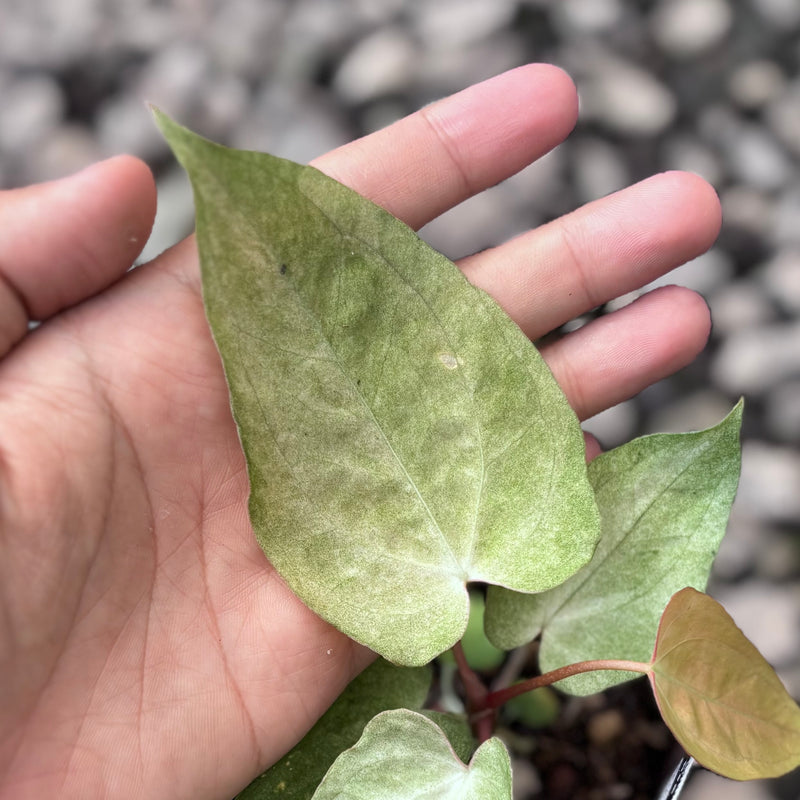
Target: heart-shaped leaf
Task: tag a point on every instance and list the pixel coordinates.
(402, 435)
(402, 755)
(664, 503)
(721, 699)
(380, 687)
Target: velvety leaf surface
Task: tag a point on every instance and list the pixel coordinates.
(457, 730)
(721, 699)
(380, 687)
(402, 755)
(402, 435)
(664, 503)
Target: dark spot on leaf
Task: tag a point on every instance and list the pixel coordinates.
(283, 269)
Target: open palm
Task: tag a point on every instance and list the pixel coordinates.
(147, 648)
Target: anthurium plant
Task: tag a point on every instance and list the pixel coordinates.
(410, 456)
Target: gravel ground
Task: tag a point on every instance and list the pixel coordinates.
(710, 86)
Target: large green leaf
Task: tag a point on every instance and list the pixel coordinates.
(402, 435)
(718, 695)
(380, 687)
(402, 755)
(664, 503)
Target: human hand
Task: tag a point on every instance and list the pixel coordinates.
(147, 648)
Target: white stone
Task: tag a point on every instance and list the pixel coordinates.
(782, 14)
(756, 83)
(739, 305)
(694, 412)
(769, 487)
(703, 274)
(781, 276)
(756, 159)
(782, 411)
(587, 16)
(768, 615)
(686, 28)
(457, 23)
(625, 97)
(689, 154)
(753, 361)
(380, 64)
(175, 216)
(704, 785)
(750, 209)
(783, 117)
(31, 108)
(786, 222)
(598, 168)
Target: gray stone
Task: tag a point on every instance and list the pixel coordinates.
(786, 222)
(739, 305)
(768, 615)
(688, 153)
(753, 361)
(32, 108)
(457, 23)
(782, 412)
(756, 158)
(748, 208)
(782, 14)
(755, 83)
(781, 277)
(380, 64)
(124, 125)
(770, 482)
(703, 274)
(587, 16)
(697, 411)
(624, 97)
(599, 168)
(687, 28)
(783, 117)
(175, 216)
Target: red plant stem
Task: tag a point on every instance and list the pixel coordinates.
(494, 700)
(482, 717)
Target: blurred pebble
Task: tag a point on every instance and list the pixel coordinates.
(598, 168)
(604, 727)
(781, 277)
(32, 108)
(587, 16)
(782, 411)
(769, 487)
(457, 23)
(755, 158)
(688, 153)
(756, 83)
(737, 306)
(686, 28)
(768, 615)
(705, 785)
(782, 14)
(694, 412)
(380, 64)
(782, 115)
(786, 227)
(625, 97)
(751, 361)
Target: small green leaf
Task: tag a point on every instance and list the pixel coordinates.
(380, 687)
(664, 503)
(536, 709)
(403, 437)
(720, 698)
(402, 755)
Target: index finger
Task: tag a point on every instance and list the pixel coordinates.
(426, 163)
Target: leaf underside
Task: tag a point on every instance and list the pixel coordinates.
(380, 687)
(402, 755)
(664, 503)
(716, 692)
(402, 435)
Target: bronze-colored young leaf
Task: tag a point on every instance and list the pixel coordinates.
(720, 698)
(380, 687)
(664, 503)
(402, 435)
